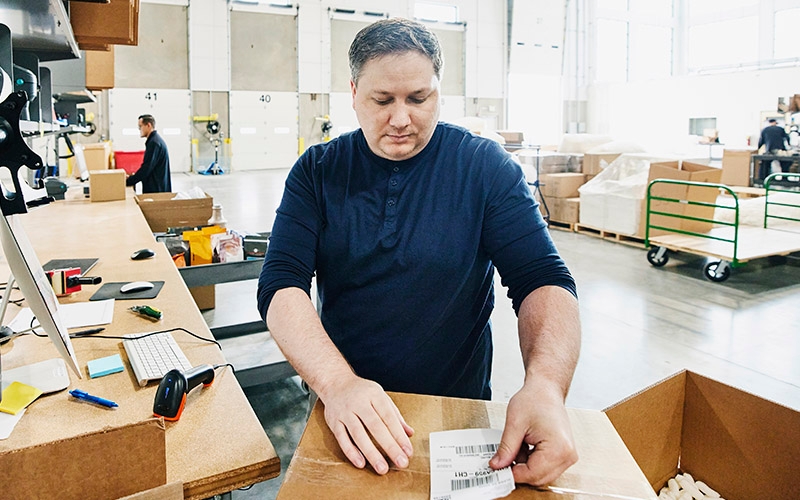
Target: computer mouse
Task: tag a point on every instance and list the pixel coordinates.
(144, 253)
(136, 286)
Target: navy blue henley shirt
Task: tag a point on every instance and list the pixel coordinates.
(404, 253)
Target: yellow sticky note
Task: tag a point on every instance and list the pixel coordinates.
(17, 396)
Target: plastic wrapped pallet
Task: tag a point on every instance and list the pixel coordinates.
(612, 200)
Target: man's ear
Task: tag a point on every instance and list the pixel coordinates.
(353, 92)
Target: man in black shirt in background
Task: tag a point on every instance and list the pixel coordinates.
(154, 172)
(774, 139)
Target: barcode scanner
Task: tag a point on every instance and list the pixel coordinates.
(173, 388)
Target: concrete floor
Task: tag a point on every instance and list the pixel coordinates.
(640, 324)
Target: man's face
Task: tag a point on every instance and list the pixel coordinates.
(144, 128)
(397, 104)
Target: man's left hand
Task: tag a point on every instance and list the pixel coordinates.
(537, 439)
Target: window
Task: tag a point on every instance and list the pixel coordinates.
(618, 5)
(712, 7)
(655, 8)
(698, 126)
(733, 41)
(429, 11)
(650, 52)
(786, 23)
(612, 50)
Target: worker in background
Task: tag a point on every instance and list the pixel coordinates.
(154, 173)
(403, 221)
(774, 139)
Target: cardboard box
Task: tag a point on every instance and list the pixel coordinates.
(562, 185)
(736, 167)
(161, 211)
(319, 469)
(100, 69)
(107, 185)
(98, 156)
(685, 170)
(594, 163)
(564, 209)
(743, 446)
(204, 296)
(112, 463)
(511, 137)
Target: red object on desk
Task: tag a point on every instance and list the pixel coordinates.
(129, 161)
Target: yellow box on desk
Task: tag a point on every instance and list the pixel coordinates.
(111, 463)
(162, 211)
(107, 185)
(741, 445)
(319, 469)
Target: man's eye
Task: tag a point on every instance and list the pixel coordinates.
(418, 100)
(382, 102)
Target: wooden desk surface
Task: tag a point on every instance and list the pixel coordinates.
(218, 445)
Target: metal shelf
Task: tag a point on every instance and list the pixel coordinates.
(41, 27)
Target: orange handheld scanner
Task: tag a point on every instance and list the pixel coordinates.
(172, 391)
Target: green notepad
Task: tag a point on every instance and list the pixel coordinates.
(17, 396)
(105, 366)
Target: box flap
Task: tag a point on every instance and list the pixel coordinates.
(107, 464)
(741, 445)
(649, 423)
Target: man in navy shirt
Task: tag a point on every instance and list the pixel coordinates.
(154, 172)
(774, 139)
(404, 222)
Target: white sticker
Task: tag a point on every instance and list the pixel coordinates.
(460, 465)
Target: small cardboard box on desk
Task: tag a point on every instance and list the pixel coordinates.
(107, 185)
(319, 469)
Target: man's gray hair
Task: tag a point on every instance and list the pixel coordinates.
(394, 36)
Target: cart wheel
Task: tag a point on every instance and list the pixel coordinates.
(717, 271)
(657, 256)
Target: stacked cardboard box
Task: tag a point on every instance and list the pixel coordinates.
(561, 195)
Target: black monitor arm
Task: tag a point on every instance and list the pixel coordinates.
(15, 153)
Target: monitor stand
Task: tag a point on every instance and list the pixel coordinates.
(47, 376)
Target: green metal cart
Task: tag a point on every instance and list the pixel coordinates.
(727, 243)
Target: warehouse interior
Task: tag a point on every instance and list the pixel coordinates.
(594, 99)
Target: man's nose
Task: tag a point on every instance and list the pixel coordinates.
(400, 115)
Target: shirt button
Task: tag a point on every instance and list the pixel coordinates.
(394, 182)
(390, 203)
(396, 169)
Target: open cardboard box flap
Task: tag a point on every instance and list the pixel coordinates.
(743, 446)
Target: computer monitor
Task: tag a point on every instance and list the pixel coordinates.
(36, 288)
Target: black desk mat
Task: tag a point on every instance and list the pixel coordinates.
(111, 291)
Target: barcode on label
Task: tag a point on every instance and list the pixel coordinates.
(476, 448)
(462, 484)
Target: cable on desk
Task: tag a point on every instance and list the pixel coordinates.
(33, 331)
(222, 365)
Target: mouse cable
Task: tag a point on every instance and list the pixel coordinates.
(33, 331)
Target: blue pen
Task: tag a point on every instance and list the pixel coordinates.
(77, 393)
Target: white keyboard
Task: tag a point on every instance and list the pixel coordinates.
(153, 356)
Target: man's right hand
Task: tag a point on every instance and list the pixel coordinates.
(360, 415)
